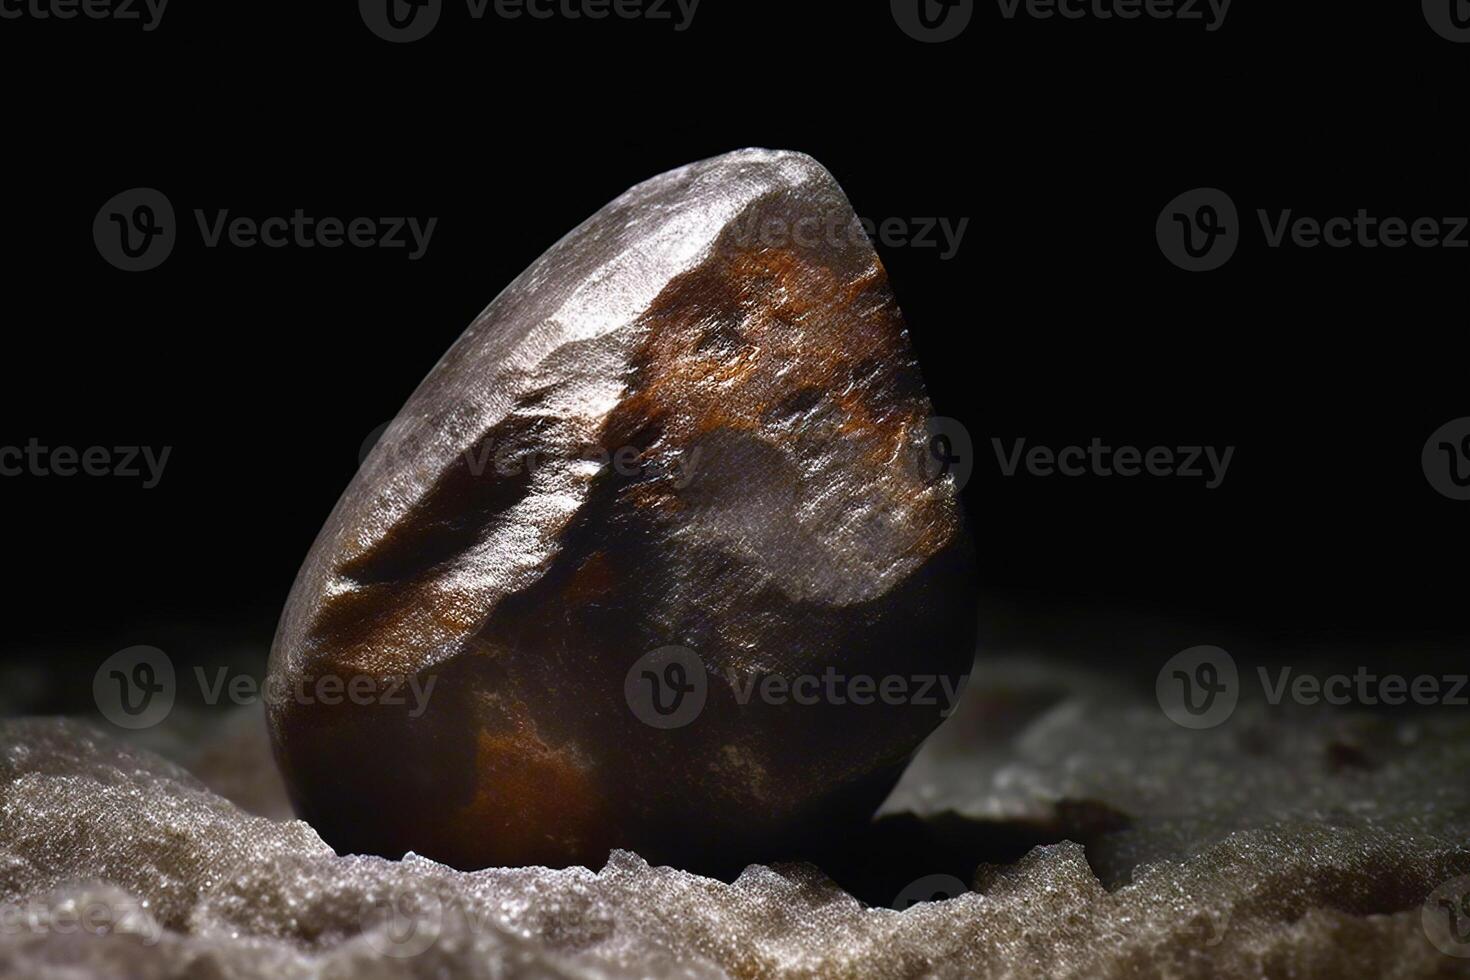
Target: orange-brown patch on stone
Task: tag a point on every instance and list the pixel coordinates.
(593, 579)
(730, 342)
(387, 628)
(525, 787)
(713, 329)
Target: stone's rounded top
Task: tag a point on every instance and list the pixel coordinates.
(792, 166)
(567, 329)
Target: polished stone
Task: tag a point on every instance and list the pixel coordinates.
(676, 470)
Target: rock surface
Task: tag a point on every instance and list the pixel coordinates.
(1244, 857)
(695, 422)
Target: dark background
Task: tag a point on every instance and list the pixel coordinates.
(1059, 319)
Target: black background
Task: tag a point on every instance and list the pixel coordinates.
(1059, 319)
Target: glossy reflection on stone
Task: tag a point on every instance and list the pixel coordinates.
(693, 429)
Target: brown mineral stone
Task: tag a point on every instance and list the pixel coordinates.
(659, 533)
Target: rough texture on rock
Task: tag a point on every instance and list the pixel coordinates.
(696, 421)
(1038, 751)
(1281, 862)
